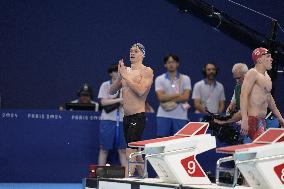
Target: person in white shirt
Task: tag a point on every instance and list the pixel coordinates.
(173, 91)
(208, 94)
(111, 127)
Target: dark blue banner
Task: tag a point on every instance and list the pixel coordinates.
(50, 146)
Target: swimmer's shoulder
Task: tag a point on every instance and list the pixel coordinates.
(252, 71)
(252, 74)
(148, 70)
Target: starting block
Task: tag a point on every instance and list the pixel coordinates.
(174, 158)
(260, 162)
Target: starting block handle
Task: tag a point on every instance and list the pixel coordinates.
(171, 152)
(222, 169)
(135, 154)
(259, 159)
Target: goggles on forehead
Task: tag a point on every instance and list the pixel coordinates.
(264, 53)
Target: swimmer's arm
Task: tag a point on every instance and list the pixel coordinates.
(115, 86)
(145, 84)
(162, 97)
(198, 106)
(184, 97)
(273, 107)
(221, 106)
(248, 83)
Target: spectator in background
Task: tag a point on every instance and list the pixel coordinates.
(208, 94)
(111, 127)
(173, 91)
(85, 96)
(239, 71)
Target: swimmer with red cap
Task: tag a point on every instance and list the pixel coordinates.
(256, 95)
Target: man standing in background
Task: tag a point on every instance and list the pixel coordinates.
(208, 94)
(111, 128)
(173, 91)
(239, 71)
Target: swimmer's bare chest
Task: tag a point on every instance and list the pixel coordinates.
(260, 94)
(133, 75)
(264, 84)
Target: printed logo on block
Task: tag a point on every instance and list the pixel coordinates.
(279, 170)
(192, 167)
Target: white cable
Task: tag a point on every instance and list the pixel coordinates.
(280, 27)
(257, 12)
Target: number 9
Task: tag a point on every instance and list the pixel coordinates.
(191, 168)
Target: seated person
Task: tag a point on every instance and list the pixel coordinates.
(85, 96)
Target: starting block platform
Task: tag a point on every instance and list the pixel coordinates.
(174, 160)
(261, 162)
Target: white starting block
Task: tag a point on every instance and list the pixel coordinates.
(173, 158)
(260, 162)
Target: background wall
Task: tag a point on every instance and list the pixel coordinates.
(49, 48)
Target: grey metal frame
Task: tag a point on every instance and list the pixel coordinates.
(233, 171)
(141, 153)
